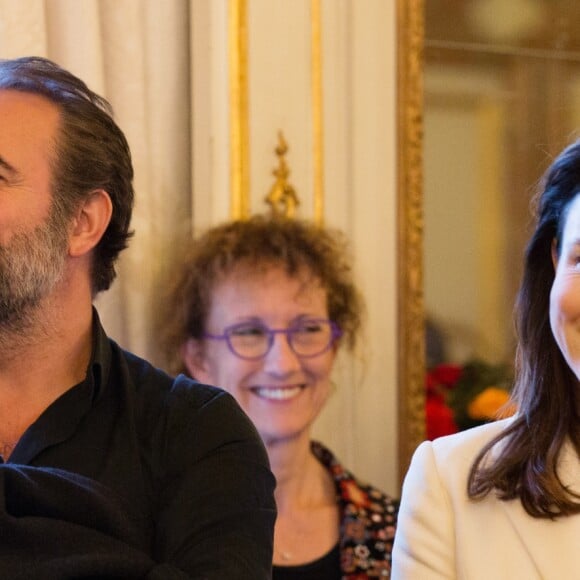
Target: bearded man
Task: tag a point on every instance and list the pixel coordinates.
(109, 468)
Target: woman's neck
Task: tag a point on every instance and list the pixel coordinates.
(308, 523)
(302, 481)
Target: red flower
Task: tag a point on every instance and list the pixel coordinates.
(445, 374)
(439, 418)
(455, 395)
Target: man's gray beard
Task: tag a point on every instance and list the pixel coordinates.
(31, 264)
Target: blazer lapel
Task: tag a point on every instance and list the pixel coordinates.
(552, 545)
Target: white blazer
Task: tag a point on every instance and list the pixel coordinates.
(441, 533)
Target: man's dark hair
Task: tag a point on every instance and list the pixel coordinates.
(91, 152)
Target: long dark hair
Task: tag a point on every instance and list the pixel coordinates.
(546, 389)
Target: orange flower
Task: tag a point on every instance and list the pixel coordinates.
(488, 403)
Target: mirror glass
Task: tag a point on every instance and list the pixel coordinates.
(502, 98)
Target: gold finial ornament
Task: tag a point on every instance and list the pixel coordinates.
(282, 197)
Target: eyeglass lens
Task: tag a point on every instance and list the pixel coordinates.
(309, 338)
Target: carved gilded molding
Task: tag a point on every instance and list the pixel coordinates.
(282, 197)
(239, 116)
(410, 27)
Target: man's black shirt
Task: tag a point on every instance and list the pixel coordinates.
(135, 474)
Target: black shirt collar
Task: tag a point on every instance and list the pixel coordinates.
(100, 363)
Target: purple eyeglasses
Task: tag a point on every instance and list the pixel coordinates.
(253, 340)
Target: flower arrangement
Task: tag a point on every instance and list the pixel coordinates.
(464, 396)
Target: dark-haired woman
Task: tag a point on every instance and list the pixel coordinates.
(503, 500)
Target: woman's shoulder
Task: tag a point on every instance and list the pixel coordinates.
(368, 520)
(469, 440)
(352, 491)
(453, 455)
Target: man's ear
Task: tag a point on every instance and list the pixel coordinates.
(90, 222)
(555, 254)
(192, 353)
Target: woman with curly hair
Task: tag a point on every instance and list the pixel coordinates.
(260, 308)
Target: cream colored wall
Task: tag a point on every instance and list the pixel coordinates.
(359, 133)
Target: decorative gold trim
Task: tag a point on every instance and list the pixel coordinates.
(282, 197)
(239, 132)
(411, 328)
(317, 120)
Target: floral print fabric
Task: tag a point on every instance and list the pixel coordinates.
(368, 522)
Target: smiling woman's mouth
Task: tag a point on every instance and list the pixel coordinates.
(278, 393)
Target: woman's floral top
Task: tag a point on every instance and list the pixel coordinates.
(368, 521)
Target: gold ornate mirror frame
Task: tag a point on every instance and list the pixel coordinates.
(411, 335)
